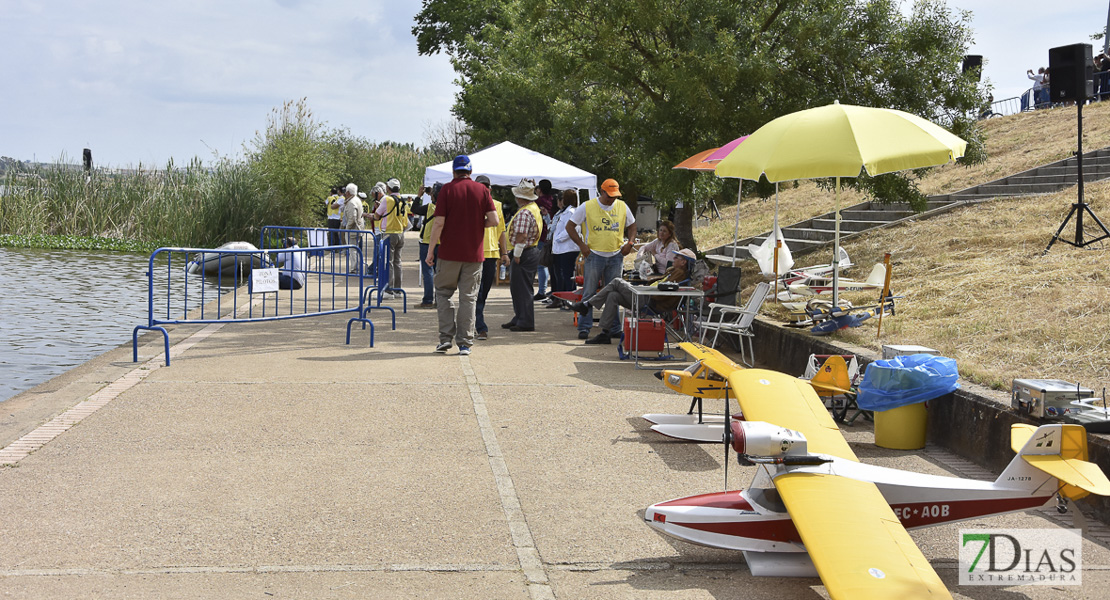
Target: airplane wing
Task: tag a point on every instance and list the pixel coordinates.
(701, 352)
(788, 402)
(855, 540)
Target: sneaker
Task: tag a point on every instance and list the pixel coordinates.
(443, 348)
(601, 338)
(464, 350)
(483, 335)
(539, 297)
(554, 304)
(583, 335)
(426, 305)
(581, 307)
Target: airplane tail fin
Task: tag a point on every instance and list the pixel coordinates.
(1060, 451)
(878, 275)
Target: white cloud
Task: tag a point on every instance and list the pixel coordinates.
(143, 82)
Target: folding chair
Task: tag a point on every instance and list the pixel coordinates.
(736, 321)
(835, 383)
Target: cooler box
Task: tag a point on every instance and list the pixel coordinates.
(649, 335)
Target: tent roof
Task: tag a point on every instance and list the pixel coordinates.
(506, 164)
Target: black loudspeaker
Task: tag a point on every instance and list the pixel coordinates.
(1071, 73)
(88, 159)
(974, 63)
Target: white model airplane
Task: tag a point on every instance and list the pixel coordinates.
(796, 275)
(810, 285)
(814, 509)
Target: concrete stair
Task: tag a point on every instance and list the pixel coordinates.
(818, 232)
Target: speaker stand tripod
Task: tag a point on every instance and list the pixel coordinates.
(1079, 207)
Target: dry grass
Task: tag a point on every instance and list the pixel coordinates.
(974, 282)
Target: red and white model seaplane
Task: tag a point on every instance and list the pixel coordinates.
(814, 509)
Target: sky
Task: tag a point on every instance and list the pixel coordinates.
(144, 82)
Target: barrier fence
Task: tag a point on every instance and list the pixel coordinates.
(273, 282)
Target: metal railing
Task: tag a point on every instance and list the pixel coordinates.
(205, 285)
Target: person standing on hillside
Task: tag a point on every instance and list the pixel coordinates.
(524, 233)
(464, 208)
(495, 245)
(394, 210)
(606, 221)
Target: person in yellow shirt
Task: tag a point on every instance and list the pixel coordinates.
(610, 229)
(394, 211)
(495, 246)
(427, 272)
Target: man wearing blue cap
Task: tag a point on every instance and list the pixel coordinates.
(464, 208)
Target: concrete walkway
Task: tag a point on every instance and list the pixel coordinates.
(273, 461)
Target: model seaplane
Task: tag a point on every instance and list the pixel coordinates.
(814, 509)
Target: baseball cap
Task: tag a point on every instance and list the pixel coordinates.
(461, 163)
(482, 179)
(687, 253)
(393, 184)
(609, 186)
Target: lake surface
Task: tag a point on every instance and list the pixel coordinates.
(60, 308)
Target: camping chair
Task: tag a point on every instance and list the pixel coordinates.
(736, 321)
(835, 383)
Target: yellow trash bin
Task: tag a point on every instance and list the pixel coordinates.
(901, 428)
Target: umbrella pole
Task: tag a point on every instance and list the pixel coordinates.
(778, 242)
(836, 251)
(736, 228)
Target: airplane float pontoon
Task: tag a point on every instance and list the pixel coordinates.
(814, 509)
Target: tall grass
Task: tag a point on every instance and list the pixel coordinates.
(283, 179)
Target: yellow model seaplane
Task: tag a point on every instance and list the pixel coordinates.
(814, 509)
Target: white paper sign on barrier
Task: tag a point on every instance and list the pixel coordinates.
(264, 280)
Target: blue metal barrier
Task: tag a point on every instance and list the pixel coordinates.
(180, 281)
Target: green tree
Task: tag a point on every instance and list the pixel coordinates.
(629, 89)
(292, 165)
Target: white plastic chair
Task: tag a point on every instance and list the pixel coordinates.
(737, 321)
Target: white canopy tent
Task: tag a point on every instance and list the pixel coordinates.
(506, 164)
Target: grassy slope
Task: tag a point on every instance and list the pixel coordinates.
(974, 283)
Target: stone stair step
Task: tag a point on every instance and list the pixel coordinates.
(875, 215)
(807, 233)
(852, 225)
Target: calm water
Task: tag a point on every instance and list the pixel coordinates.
(59, 309)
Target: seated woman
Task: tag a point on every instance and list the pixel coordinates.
(659, 252)
(618, 293)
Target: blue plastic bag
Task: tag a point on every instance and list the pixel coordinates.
(905, 380)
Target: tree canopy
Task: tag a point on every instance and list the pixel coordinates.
(629, 89)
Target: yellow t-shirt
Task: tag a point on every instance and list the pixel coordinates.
(491, 244)
(605, 228)
(396, 214)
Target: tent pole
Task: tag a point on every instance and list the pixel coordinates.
(836, 252)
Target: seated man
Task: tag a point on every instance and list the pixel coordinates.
(618, 293)
(291, 276)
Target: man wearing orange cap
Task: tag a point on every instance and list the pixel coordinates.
(610, 229)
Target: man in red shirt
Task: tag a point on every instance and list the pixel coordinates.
(464, 208)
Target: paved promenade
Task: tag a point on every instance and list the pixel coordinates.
(273, 461)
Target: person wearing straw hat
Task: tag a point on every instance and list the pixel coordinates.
(464, 208)
(608, 223)
(524, 235)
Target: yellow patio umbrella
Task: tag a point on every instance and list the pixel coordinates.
(840, 140)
